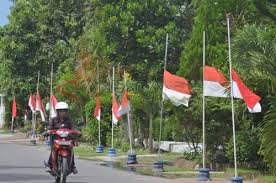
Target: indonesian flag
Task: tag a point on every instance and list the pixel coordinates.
(240, 90)
(214, 82)
(97, 112)
(32, 103)
(115, 116)
(14, 107)
(125, 105)
(53, 112)
(176, 89)
(39, 107)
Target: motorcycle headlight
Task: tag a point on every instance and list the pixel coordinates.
(64, 134)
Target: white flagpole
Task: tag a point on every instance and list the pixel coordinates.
(113, 93)
(162, 100)
(51, 92)
(128, 120)
(37, 86)
(203, 108)
(98, 93)
(232, 101)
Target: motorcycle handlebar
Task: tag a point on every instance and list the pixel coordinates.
(72, 132)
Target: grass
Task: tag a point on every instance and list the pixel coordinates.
(270, 179)
(4, 131)
(87, 151)
(242, 170)
(145, 167)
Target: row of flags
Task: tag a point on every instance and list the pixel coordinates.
(178, 91)
(117, 111)
(36, 105)
(216, 85)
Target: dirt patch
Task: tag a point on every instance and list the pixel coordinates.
(183, 163)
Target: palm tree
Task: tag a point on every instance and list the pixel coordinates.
(254, 49)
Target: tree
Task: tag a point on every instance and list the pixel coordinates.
(254, 46)
(210, 16)
(135, 33)
(149, 102)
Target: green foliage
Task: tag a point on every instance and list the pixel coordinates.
(91, 132)
(268, 137)
(193, 156)
(248, 144)
(135, 33)
(210, 17)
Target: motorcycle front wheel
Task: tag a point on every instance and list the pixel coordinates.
(64, 169)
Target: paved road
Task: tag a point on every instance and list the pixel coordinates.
(21, 163)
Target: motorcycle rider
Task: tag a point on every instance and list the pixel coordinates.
(62, 118)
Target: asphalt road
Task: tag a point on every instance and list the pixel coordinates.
(22, 163)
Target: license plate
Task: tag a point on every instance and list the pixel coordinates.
(64, 143)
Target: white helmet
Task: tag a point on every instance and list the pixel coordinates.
(62, 105)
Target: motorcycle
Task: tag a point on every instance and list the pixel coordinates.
(62, 152)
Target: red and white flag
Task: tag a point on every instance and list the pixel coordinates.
(115, 115)
(97, 112)
(241, 91)
(39, 107)
(14, 108)
(125, 105)
(53, 112)
(176, 89)
(214, 82)
(32, 103)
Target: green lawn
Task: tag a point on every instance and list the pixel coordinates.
(171, 170)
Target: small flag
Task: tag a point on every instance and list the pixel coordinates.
(176, 89)
(215, 84)
(115, 116)
(241, 91)
(125, 105)
(53, 112)
(14, 107)
(39, 107)
(32, 103)
(97, 112)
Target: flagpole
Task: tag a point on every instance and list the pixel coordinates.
(203, 108)
(37, 86)
(98, 93)
(113, 93)
(128, 119)
(232, 100)
(162, 100)
(51, 91)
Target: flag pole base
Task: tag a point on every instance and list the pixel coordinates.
(131, 159)
(203, 174)
(112, 152)
(158, 166)
(237, 180)
(99, 149)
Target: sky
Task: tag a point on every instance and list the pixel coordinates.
(4, 11)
